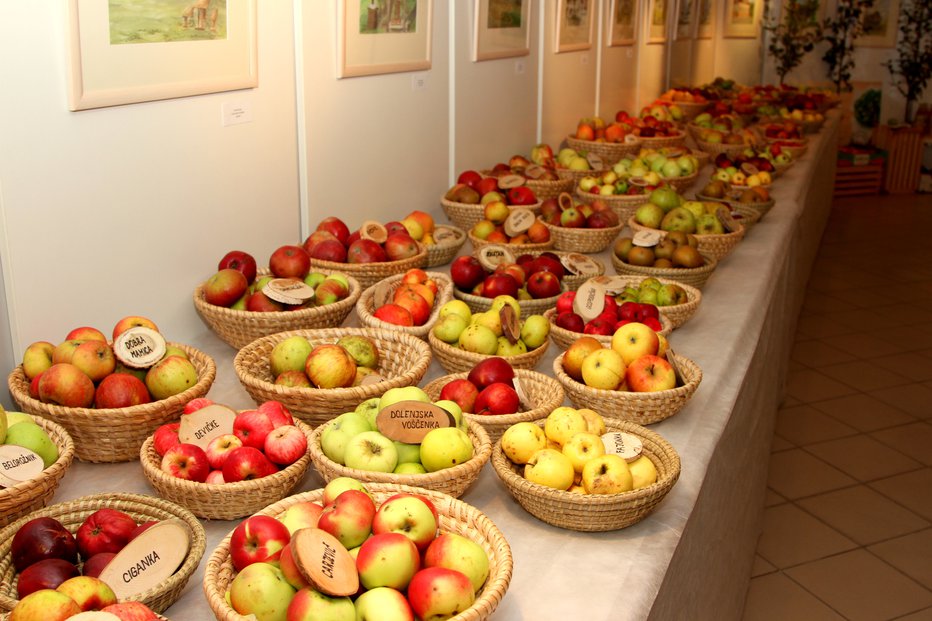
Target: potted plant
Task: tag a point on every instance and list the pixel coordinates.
(840, 33)
(911, 69)
(792, 37)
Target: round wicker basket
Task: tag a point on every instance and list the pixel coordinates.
(403, 362)
(550, 188)
(370, 273)
(465, 215)
(226, 501)
(563, 338)
(365, 306)
(142, 508)
(456, 360)
(571, 281)
(676, 140)
(796, 148)
(115, 434)
(610, 152)
(453, 481)
(237, 328)
(543, 392)
(716, 245)
(746, 215)
(714, 148)
(515, 248)
(34, 494)
(455, 517)
(443, 252)
(624, 205)
(594, 512)
(643, 408)
(694, 276)
(576, 175)
(584, 240)
(691, 109)
(673, 315)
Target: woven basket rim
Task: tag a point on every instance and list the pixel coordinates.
(479, 300)
(562, 334)
(520, 248)
(356, 268)
(449, 203)
(612, 200)
(365, 304)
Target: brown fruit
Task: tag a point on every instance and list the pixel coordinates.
(663, 263)
(622, 247)
(664, 250)
(640, 255)
(687, 256)
(677, 237)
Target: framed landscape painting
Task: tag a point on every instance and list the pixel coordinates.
(574, 25)
(705, 19)
(657, 21)
(502, 29)
(622, 22)
(881, 24)
(382, 36)
(742, 19)
(685, 18)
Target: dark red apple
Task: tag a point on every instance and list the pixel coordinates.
(470, 178)
(400, 246)
(45, 574)
(602, 220)
(521, 195)
(543, 285)
(94, 565)
(600, 326)
(105, 530)
(647, 310)
(500, 284)
(653, 323)
(336, 227)
(260, 303)
(120, 390)
(462, 392)
(486, 185)
(490, 371)
(498, 398)
(365, 251)
(550, 208)
(240, 261)
(290, 262)
(353, 237)
(565, 302)
(315, 238)
(570, 321)
(165, 437)
(394, 227)
(42, 538)
(548, 263)
(628, 310)
(466, 272)
(329, 250)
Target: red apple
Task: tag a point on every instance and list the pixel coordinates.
(142, 528)
(257, 539)
(548, 263)
(499, 284)
(316, 237)
(240, 261)
(485, 185)
(186, 461)
(42, 538)
(105, 530)
(121, 390)
(225, 287)
(470, 178)
(543, 285)
(498, 398)
(650, 373)
(490, 371)
(45, 605)
(258, 302)
(251, 427)
(85, 333)
(219, 448)
(329, 250)
(131, 322)
(45, 574)
(285, 445)
(521, 195)
(416, 305)
(400, 246)
(565, 302)
(335, 227)
(131, 611)
(290, 262)
(330, 366)
(247, 463)
(277, 413)
(349, 517)
(600, 326)
(64, 384)
(94, 565)
(394, 314)
(165, 437)
(466, 272)
(462, 392)
(569, 320)
(365, 251)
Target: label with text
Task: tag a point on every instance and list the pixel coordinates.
(288, 290)
(444, 234)
(373, 230)
(518, 221)
(613, 284)
(493, 255)
(149, 559)
(139, 347)
(626, 445)
(506, 182)
(409, 421)
(323, 561)
(580, 264)
(595, 161)
(18, 464)
(590, 300)
(647, 239)
(203, 425)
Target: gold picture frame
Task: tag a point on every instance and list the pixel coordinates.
(502, 29)
(383, 36)
(657, 15)
(705, 19)
(685, 20)
(574, 20)
(742, 19)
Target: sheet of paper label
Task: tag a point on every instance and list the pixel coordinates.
(18, 464)
(149, 559)
(203, 425)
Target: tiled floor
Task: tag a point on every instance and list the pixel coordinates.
(847, 530)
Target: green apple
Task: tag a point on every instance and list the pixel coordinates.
(666, 198)
(444, 448)
(408, 453)
(402, 393)
(479, 339)
(314, 278)
(679, 219)
(455, 410)
(289, 354)
(456, 307)
(362, 349)
(371, 451)
(708, 224)
(170, 376)
(18, 417)
(3, 425)
(260, 589)
(579, 163)
(410, 468)
(339, 485)
(687, 164)
(449, 327)
(336, 435)
(648, 296)
(534, 331)
(370, 409)
(566, 155)
(507, 348)
(649, 215)
(34, 438)
(696, 208)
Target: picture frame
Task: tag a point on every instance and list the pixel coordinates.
(622, 21)
(114, 60)
(657, 21)
(705, 19)
(574, 20)
(685, 19)
(813, 11)
(881, 24)
(502, 29)
(742, 19)
(383, 36)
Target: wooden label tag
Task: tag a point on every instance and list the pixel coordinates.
(410, 421)
(595, 161)
(626, 445)
(613, 284)
(18, 464)
(641, 182)
(139, 347)
(493, 255)
(373, 230)
(518, 221)
(580, 264)
(631, 139)
(444, 233)
(203, 425)
(511, 328)
(749, 169)
(372, 378)
(671, 358)
(288, 290)
(149, 559)
(589, 300)
(383, 293)
(324, 562)
(535, 171)
(506, 182)
(647, 238)
(724, 216)
(523, 398)
(94, 615)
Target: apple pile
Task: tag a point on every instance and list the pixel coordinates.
(528, 278)
(83, 371)
(571, 214)
(611, 183)
(653, 122)
(684, 95)
(662, 111)
(540, 167)
(392, 556)
(675, 249)
(717, 189)
(652, 292)
(471, 188)
(494, 229)
(236, 285)
(614, 314)
(798, 115)
(397, 240)
(297, 363)
(742, 136)
(487, 332)
(743, 175)
(18, 429)
(264, 441)
(46, 556)
(488, 389)
(353, 439)
(690, 217)
(719, 120)
(571, 159)
(568, 453)
(594, 128)
(412, 302)
(635, 361)
(782, 131)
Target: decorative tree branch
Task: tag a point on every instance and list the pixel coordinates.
(793, 37)
(912, 68)
(840, 33)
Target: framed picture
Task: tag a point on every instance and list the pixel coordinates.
(502, 29)
(382, 36)
(705, 19)
(129, 52)
(574, 25)
(742, 19)
(685, 18)
(811, 11)
(657, 21)
(881, 24)
(622, 22)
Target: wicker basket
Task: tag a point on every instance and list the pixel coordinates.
(694, 276)
(624, 205)
(576, 175)
(72, 514)
(572, 282)
(34, 494)
(563, 338)
(404, 361)
(749, 215)
(677, 140)
(515, 248)
(456, 360)
(453, 481)
(642, 408)
(796, 151)
(550, 188)
(681, 183)
(610, 152)
(762, 208)
(544, 392)
(455, 517)
(584, 240)
(594, 512)
(714, 148)
(479, 304)
(441, 253)
(674, 315)
(365, 306)
(465, 215)
(115, 434)
(691, 109)
(716, 245)
(239, 327)
(225, 501)
(370, 273)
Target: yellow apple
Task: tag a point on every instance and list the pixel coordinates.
(604, 369)
(563, 423)
(550, 468)
(594, 421)
(582, 447)
(608, 474)
(522, 440)
(643, 472)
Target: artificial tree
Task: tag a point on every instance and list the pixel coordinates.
(792, 37)
(840, 33)
(912, 68)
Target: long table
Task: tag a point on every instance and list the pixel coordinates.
(692, 557)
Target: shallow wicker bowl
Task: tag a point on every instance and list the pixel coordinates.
(716, 245)
(550, 188)
(584, 240)
(761, 208)
(370, 273)
(453, 481)
(576, 175)
(514, 247)
(748, 215)
(115, 434)
(564, 338)
(443, 252)
(404, 359)
(28, 496)
(610, 152)
(365, 306)
(226, 501)
(673, 316)
(465, 215)
(543, 392)
(691, 109)
(239, 327)
(479, 304)
(796, 151)
(572, 282)
(456, 360)
(714, 148)
(642, 408)
(624, 205)
(694, 276)
(142, 508)
(681, 183)
(455, 517)
(594, 512)
(677, 140)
